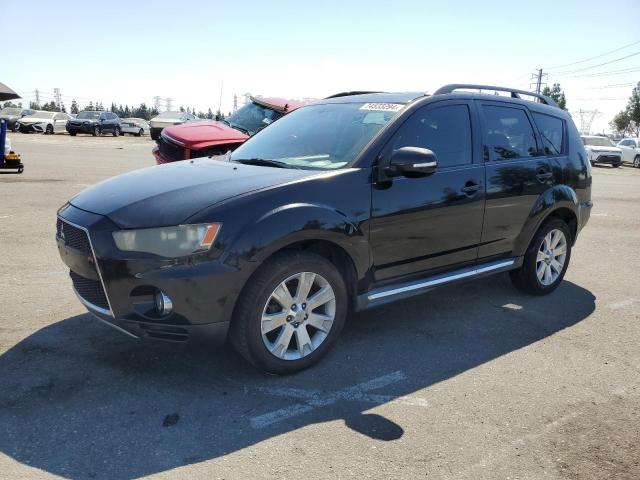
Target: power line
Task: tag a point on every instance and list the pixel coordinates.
(598, 65)
(601, 74)
(594, 57)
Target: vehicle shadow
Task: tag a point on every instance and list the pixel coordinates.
(79, 400)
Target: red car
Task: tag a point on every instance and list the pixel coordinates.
(206, 138)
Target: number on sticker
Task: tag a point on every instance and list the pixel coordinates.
(382, 107)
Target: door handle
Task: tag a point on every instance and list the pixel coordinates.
(470, 188)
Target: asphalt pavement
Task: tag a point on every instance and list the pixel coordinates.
(476, 381)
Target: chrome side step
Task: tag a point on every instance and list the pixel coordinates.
(391, 293)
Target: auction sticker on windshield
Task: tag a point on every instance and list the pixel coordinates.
(382, 107)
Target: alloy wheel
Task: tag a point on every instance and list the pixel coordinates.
(298, 316)
(551, 258)
(636, 162)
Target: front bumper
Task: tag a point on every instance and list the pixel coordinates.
(80, 128)
(32, 127)
(609, 158)
(117, 287)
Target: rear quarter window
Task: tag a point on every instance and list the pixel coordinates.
(552, 132)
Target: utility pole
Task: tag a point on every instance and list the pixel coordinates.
(167, 102)
(220, 102)
(536, 80)
(37, 97)
(156, 103)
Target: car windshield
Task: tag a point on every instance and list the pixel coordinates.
(171, 115)
(319, 136)
(89, 115)
(10, 111)
(252, 117)
(597, 141)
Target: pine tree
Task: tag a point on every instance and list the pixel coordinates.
(209, 114)
(74, 107)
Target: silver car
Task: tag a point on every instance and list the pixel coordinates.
(630, 150)
(166, 119)
(43, 122)
(134, 126)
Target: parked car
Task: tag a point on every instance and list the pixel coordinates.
(95, 123)
(134, 126)
(630, 150)
(602, 150)
(166, 119)
(207, 138)
(353, 201)
(13, 115)
(42, 122)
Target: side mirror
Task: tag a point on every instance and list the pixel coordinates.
(412, 162)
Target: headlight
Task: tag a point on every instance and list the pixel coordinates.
(170, 242)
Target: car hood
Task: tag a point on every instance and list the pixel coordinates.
(594, 148)
(28, 120)
(169, 194)
(198, 135)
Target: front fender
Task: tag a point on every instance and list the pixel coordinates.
(296, 222)
(559, 196)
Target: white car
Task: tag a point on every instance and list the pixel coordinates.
(43, 122)
(602, 150)
(166, 119)
(630, 150)
(134, 126)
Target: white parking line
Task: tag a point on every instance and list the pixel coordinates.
(316, 398)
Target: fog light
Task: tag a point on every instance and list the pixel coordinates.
(164, 305)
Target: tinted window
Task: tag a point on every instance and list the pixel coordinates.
(444, 130)
(552, 131)
(508, 133)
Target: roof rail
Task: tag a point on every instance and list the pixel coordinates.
(347, 94)
(515, 93)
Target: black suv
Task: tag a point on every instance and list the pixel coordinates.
(344, 204)
(95, 123)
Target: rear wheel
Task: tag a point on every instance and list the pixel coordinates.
(116, 132)
(140, 132)
(546, 260)
(96, 131)
(49, 130)
(636, 161)
(290, 313)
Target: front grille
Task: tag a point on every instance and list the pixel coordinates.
(73, 237)
(170, 150)
(90, 290)
(609, 158)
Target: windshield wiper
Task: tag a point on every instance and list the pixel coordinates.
(265, 162)
(237, 127)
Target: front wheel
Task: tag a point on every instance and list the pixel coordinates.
(73, 134)
(616, 165)
(96, 131)
(546, 260)
(290, 313)
(140, 132)
(116, 132)
(636, 161)
(49, 130)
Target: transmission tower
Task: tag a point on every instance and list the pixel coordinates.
(167, 103)
(537, 80)
(235, 102)
(56, 93)
(37, 93)
(156, 103)
(586, 119)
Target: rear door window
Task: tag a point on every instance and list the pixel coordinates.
(552, 132)
(508, 133)
(444, 130)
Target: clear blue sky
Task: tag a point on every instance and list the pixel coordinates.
(129, 51)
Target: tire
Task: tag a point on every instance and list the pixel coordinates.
(526, 277)
(49, 130)
(96, 131)
(293, 321)
(140, 132)
(636, 161)
(154, 135)
(73, 134)
(16, 128)
(116, 132)
(616, 165)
